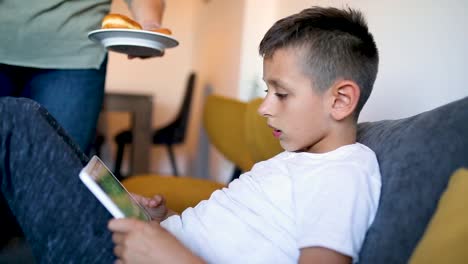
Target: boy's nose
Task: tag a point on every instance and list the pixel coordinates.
(263, 109)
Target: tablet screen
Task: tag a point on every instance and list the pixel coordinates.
(113, 189)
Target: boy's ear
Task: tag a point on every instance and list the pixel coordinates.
(344, 98)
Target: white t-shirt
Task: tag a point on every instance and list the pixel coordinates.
(289, 202)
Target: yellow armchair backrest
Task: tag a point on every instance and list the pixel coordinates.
(259, 138)
(238, 132)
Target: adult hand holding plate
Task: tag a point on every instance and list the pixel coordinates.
(123, 35)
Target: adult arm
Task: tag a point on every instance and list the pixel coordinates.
(149, 13)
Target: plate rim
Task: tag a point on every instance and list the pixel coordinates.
(136, 31)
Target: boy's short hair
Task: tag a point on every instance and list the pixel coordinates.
(336, 44)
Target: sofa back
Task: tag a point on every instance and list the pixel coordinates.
(417, 155)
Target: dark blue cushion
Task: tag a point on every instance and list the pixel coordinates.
(417, 155)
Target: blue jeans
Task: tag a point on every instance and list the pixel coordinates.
(39, 166)
(73, 97)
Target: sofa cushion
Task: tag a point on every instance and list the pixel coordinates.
(417, 155)
(446, 237)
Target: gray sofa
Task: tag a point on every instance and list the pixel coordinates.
(417, 156)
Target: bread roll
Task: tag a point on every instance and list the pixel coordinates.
(165, 31)
(119, 21)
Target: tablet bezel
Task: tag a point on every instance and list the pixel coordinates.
(88, 177)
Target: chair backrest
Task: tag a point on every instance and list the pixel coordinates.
(180, 123)
(260, 140)
(225, 129)
(238, 132)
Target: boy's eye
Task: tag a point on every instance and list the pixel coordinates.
(281, 96)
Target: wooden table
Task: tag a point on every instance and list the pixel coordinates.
(140, 108)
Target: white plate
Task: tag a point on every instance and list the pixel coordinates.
(138, 43)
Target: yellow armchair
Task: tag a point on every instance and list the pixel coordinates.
(180, 192)
(238, 131)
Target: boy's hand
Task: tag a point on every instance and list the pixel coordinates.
(156, 206)
(147, 242)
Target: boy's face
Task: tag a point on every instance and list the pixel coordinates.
(294, 110)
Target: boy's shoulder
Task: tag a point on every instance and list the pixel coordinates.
(354, 159)
(345, 153)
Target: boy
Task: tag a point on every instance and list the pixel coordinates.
(312, 203)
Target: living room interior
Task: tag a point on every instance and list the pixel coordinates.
(423, 62)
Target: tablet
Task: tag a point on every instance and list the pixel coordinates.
(110, 192)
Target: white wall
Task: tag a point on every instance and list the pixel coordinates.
(217, 59)
(423, 52)
(217, 44)
(258, 18)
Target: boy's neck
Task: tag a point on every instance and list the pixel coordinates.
(341, 134)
